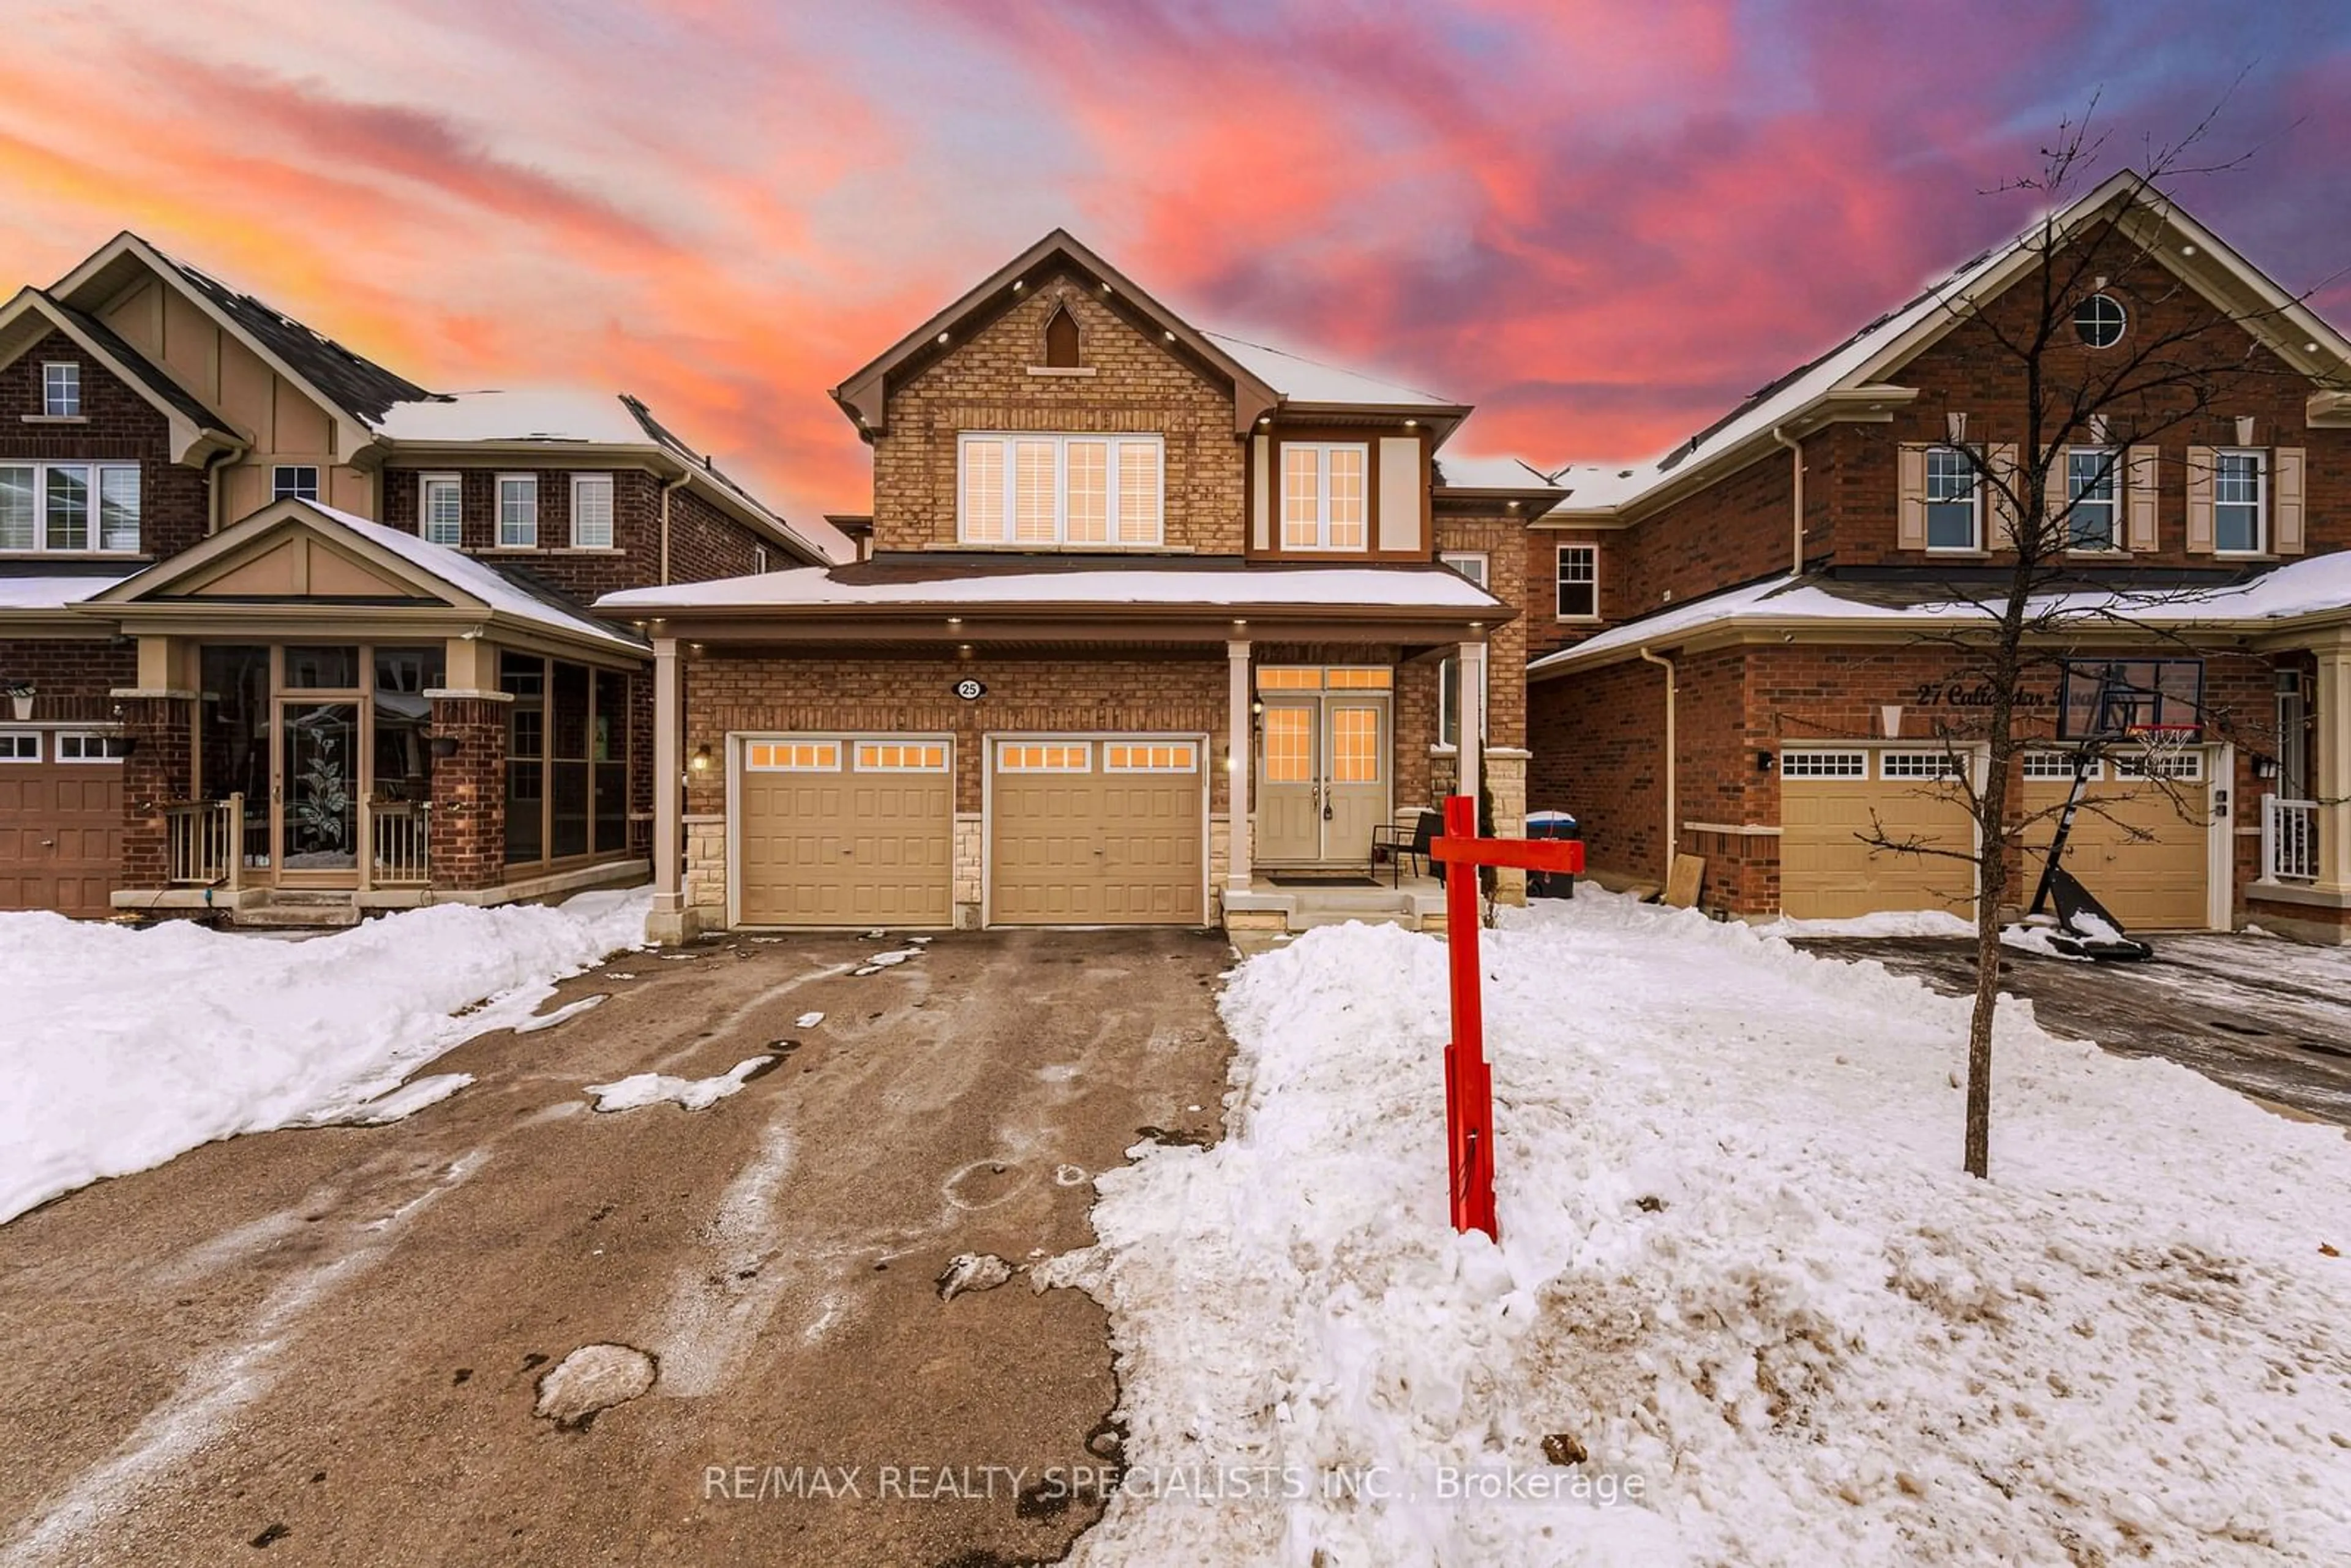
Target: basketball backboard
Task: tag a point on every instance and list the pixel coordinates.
(2107, 699)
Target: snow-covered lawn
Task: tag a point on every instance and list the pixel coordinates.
(1739, 1267)
(121, 1049)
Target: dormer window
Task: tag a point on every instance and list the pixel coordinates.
(61, 389)
(1061, 339)
(294, 482)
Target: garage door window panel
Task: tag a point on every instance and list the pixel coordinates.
(20, 745)
(1176, 757)
(793, 756)
(1037, 757)
(1824, 765)
(899, 757)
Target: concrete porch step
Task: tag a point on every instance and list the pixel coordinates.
(299, 912)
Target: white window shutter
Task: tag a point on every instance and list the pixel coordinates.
(2145, 479)
(2201, 462)
(2006, 478)
(1910, 525)
(2286, 490)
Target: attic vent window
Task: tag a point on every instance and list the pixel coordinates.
(61, 389)
(1061, 339)
(2099, 320)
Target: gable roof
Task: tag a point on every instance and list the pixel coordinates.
(351, 381)
(34, 313)
(1311, 383)
(1853, 373)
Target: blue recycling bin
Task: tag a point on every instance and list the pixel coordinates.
(1552, 825)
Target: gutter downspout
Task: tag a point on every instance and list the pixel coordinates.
(669, 487)
(1796, 531)
(1672, 765)
(213, 466)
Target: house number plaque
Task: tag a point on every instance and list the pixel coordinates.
(971, 690)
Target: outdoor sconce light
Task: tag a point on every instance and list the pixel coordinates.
(445, 746)
(2265, 768)
(700, 763)
(1762, 762)
(963, 650)
(1257, 707)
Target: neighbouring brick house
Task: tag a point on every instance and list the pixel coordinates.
(1155, 626)
(1745, 649)
(283, 632)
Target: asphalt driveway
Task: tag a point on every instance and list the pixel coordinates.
(2268, 1017)
(329, 1346)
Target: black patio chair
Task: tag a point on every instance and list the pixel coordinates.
(1397, 844)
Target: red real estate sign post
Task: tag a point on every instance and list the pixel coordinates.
(1469, 1082)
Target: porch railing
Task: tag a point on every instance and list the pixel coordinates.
(204, 841)
(2289, 840)
(399, 834)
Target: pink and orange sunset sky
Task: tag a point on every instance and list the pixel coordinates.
(1601, 221)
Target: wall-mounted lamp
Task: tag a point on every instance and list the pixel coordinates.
(1257, 707)
(963, 650)
(2265, 767)
(1763, 762)
(445, 746)
(700, 763)
(1228, 751)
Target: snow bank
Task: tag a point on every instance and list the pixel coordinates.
(1739, 1265)
(125, 1048)
(1883, 922)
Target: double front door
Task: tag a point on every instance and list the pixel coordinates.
(1323, 777)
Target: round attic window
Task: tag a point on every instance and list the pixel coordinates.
(2099, 320)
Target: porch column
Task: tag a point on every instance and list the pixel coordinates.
(1470, 704)
(2331, 708)
(671, 922)
(1237, 773)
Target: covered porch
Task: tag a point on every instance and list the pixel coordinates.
(2302, 886)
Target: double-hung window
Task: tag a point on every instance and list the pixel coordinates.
(2090, 484)
(1578, 582)
(69, 506)
(61, 389)
(294, 481)
(2239, 488)
(518, 511)
(1326, 491)
(1042, 490)
(1954, 500)
(441, 506)
(591, 511)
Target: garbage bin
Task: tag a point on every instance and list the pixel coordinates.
(1552, 825)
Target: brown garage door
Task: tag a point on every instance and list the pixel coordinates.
(844, 831)
(1832, 800)
(1096, 832)
(2138, 843)
(60, 820)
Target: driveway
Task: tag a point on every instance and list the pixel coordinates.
(2266, 1017)
(327, 1346)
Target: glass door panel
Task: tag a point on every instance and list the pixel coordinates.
(318, 815)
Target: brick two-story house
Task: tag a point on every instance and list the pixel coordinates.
(278, 627)
(1152, 623)
(1745, 649)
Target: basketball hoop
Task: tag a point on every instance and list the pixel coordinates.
(2162, 745)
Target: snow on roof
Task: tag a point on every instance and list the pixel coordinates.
(1426, 588)
(1461, 473)
(2316, 586)
(1302, 380)
(1590, 485)
(462, 572)
(52, 593)
(546, 413)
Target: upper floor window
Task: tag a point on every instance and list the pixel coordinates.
(591, 511)
(441, 510)
(61, 389)
(1578, 582)
(1954, 500)
(69, 506)
(289, 481)
(1470, 564)
(2239, 488)
(2090, 485)
(1325, 496)
(2099, 320)
(518, 511)
(1095, 490)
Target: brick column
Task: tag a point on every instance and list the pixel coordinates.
(468, 835)
(158, 772)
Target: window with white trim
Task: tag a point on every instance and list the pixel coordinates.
(1103, 491)
(1151, 756)
(83, 746)
(1041, 756)
(1471, 564)
(1578, 582)
(1824, 764)
(20, 745)
(2185, 766)
(61, 389)
(2057, 767)
(2240, 496)
(70, 508)
(2090, 484)
(1325, 496)
(591, 511)
(518, 511)
(441, 510)
(792, 755)
(1917, 765)
(1954, 500)
(901, 756)
(294, 482)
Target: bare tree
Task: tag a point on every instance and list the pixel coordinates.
(2055, 478)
